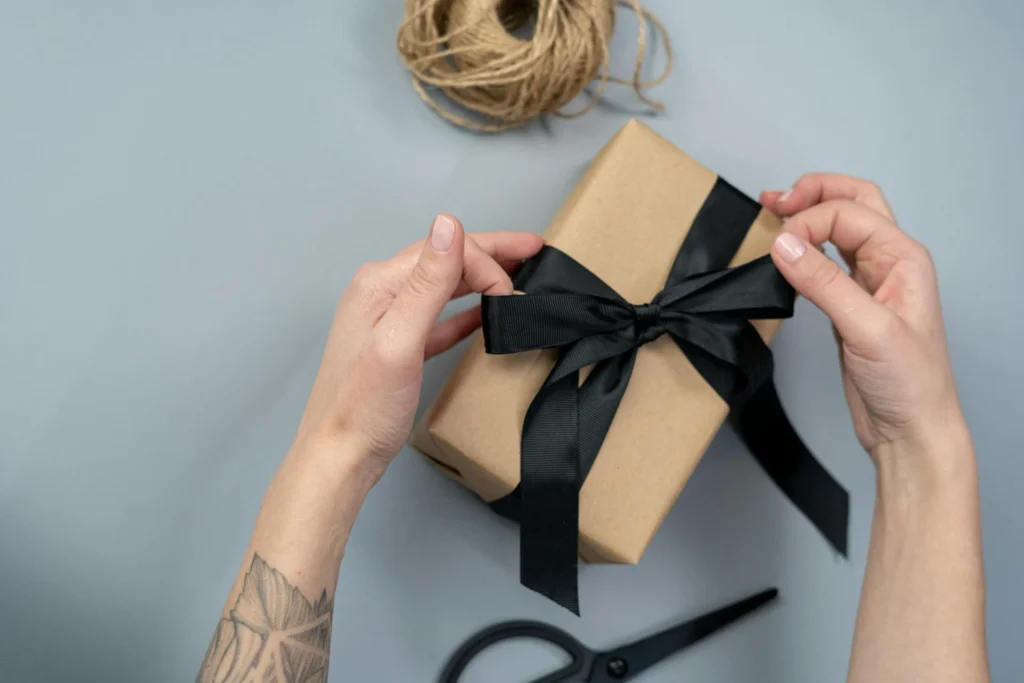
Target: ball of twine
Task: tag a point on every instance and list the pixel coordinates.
(467, 50)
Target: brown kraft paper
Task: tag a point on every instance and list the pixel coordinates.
(625, 221)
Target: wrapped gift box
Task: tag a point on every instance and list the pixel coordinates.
(625, 222)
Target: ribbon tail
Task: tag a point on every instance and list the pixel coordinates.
(762, 425)
(564, 428)
(549, 494)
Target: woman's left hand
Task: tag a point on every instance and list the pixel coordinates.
(386, 325)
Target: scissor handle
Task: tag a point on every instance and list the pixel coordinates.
(510, 630)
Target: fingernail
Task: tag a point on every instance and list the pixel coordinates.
(442, 233)
(784, 197)
(790, 247)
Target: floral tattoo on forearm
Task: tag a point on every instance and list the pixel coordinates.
(273, 634)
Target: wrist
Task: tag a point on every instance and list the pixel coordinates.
(340, 459)
(310, 506)
(938, 460)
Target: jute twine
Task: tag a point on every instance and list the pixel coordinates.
(465, 49)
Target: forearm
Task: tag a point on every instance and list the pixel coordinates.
(278, 614)
(922, 611)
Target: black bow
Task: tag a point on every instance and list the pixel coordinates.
(706, 309)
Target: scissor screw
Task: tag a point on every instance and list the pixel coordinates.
(617, 668)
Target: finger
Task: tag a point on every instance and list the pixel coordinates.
(500, 246)
(868, 240)
(770, 199)
(862, 322)
(450, 332)
(509, 267)
(508, 248)
(814, 188)
(430, 284)
(481, 273)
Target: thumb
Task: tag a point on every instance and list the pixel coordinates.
(861, 321)
(432, 281)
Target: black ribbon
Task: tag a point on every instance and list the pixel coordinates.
(706, 308)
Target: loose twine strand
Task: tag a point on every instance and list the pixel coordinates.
(465, 49)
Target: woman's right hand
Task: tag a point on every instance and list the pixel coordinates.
(886, 312)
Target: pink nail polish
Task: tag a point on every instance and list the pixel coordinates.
(442, 233)
(790, 247)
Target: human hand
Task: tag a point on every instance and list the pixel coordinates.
(885, 312)
(385, 327)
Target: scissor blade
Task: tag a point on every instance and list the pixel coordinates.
(647, 652)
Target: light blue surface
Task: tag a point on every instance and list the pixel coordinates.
(185, 188)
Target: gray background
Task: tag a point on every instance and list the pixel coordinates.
(185, 188)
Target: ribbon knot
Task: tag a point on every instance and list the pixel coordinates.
(648, 323)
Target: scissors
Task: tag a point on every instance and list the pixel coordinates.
(618, 664)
